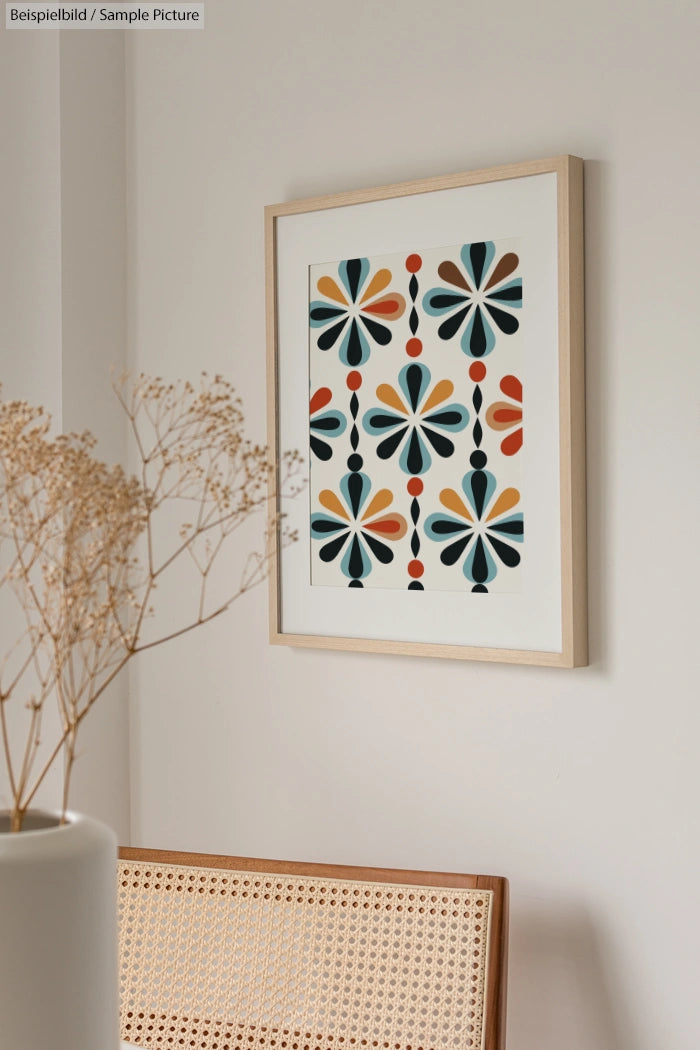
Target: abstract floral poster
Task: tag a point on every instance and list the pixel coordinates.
(416, 420)
(425, 354)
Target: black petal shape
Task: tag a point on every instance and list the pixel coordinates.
(448, 328)
(445, 527)
(414, 459)
(331, 550)
(445, 300)
(506, 322)
(354, 346)
(478, 487)
(326, 423)
(446, 418)
(355, 487)
(414, 383)
(354, 272)
(384, 420)
(330, 336)
(477, 340)
(477, 254)
(321, 449)
(380, 550)
(325, 525)
(453, 553)
(387, 447)
(508, 555)
(508, 295)
(356, 563)
(508, 528)
(379, 332)
(480, 568)
(442, 445)
(326, 313)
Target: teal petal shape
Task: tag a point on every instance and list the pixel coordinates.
(324, 313)
(354, 349)
(353, 273)
(479, 487)
(510, 294)
(414, 380)
(478, 338)
(442, 527)
(355, 488)
(331, 423)
(480, 553)
(377, 421)
(441, 415)
(415, 458)
(356, 564)
(439, 301)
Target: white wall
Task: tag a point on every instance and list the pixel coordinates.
(581, 786)
(62, 303)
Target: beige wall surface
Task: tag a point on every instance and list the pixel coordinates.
(62, 305)
(580, 786)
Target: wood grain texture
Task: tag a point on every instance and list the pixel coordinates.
(574, 650)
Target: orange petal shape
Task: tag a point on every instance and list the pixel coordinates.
(380, 281)
(379, 502)
(512, 387)
(504, 268)
(319, 400)
(330, 501)
(507, 415)
(451, 273)
(501, 415)
(450, 499)
(392, 527)
(505, 502)
(328, 287)
(440, 392)
(391, 397)
(512, 443)
(390, 307)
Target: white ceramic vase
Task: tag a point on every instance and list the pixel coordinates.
(58, 935)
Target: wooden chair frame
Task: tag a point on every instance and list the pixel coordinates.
(160, 864)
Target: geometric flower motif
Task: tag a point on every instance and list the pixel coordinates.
(482, 526)
(504, 415)
(355, 311)
(366, 525)
(483, 298)
(415, 420)
(331, 424)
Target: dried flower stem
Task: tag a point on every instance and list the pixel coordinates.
(83, 548)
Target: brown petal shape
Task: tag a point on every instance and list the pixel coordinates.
(451, 273)
(504, 269)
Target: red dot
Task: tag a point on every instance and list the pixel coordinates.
(414, 348)
(414, 263)
(354, 380)
(477, 371)
(415, 487)
(415, 569)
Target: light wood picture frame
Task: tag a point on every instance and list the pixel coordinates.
(425, 351)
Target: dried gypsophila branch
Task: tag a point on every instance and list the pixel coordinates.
(82, 549)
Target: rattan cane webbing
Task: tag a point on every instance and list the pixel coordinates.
(240, 960)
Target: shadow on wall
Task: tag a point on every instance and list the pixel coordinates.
(561, 993)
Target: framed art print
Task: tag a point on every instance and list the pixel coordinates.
(425, 352)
